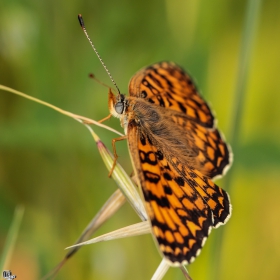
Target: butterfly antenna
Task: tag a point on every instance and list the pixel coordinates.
(81, 21)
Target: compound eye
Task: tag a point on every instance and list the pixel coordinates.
(119, 107)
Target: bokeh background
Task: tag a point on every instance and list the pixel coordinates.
(50, 164)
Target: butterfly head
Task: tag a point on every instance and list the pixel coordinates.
(121, 107)
(117, 104)
(121, 104)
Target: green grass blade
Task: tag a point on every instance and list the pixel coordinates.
(250, 28)
(246, 48)
(11, 238)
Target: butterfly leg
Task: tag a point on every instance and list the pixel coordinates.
(115, 152)
(105, 119)
(101, 121)
(133, 178)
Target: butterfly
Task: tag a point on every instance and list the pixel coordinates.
(176, 151)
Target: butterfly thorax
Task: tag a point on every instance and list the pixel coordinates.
(157, 123)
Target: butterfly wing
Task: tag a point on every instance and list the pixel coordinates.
(182, 209)
(213, 155)
(167, 85)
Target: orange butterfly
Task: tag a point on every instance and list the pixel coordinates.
(176, 151)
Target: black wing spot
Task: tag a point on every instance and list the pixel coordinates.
(167, 190)
(143, 140)
(149, 157)
(151, 177)
(192, 174)
(190, 82)
(149, 140)
(161, 201)
(151, 100)
(180, 181)
(160, 100)
(167, 176)
(182, 107)
(159, 155)
(143, 94)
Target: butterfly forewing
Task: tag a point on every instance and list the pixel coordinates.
(168, 85)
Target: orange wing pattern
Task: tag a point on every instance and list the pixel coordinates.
(183, 205)
(176, 149)
(167, 85)
(212, 153)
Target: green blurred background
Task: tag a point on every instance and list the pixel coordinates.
(50, 164)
